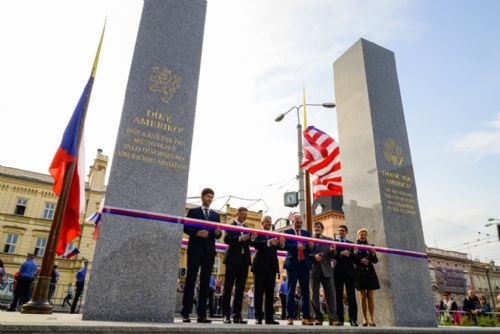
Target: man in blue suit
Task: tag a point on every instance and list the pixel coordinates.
(297, 265)
(200, 256)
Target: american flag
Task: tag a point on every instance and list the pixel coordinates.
(322, 160)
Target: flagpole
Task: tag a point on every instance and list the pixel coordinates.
(307, 180)
(39, 303)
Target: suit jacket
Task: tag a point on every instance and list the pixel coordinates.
(345, 264)
(292, 255)
(238, 250)
(323, 268)
(266, 257)
(197, 244)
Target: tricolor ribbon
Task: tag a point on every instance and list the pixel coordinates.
(233, 228)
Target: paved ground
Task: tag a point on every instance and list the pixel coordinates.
(15, 322)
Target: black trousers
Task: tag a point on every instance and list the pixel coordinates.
(264, 286)
(340, 280)
(204, 263)
(78, 293)
(236, 275)
(211, 293)
(283, 306)
(22, 292)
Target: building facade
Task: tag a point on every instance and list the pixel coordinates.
(27, 207)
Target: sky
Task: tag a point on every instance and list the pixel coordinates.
(257, 57)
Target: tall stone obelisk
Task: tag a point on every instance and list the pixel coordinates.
(135, 268)
(378, 180)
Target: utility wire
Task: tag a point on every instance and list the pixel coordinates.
(457, 225)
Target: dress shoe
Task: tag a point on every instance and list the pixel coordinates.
(307, 322)
(364, 324)
(353, 323)
(289, 322)
(272, 322)
(258, 321)
(227, 320)
(334, 323)
(186, 319)
(239, 321)
(318, 322)
(203, 320)
(372, 324)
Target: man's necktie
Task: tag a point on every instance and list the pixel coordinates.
(301, 251)
(206, 213)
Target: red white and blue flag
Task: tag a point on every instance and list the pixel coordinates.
(70, 254)
(96, 217)
(322, 160)
(67, 152)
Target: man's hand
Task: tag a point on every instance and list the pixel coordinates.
(245, 237)
(202, 234)
(253, 236)
(310, 244)
(332, 248)
(318, 257)
(345, 253)
(273, 242)
(217, 233)
(365, 261)
(282, 242)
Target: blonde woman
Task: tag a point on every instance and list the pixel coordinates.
(366, 278)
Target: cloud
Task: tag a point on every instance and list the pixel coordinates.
(480, 142)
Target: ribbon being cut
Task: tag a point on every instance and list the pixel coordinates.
(226, 227)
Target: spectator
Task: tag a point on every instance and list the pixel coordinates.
(448, 304)
(251, 303)
(53, 282)
(485, 307)
(472, 307)
(69, 296)
(283, 292)
(3, 273)
(22, 291)
(80, 283)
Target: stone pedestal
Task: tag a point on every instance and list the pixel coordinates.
(135, 269)
(378, 179)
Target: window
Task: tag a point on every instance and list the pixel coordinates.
(21, 207)
(10, 244)
(41, 243)
(48, 212)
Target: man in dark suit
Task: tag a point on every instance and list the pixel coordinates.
(264, 267)
(200, 256)
(237, 261)
(322, 273)
(345, 274)
(298, 264)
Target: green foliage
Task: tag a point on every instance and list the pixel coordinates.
(486, 321)
(465, 321)
(445, 321)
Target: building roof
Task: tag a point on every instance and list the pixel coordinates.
(26, 175)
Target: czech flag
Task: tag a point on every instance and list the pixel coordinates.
(69, 151)
(69, 255)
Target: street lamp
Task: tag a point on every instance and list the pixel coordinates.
(300, 177)
(497, 224)
(489, 267)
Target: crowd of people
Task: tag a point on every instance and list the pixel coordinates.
(25, 280)
(308, 267)
(473, 307)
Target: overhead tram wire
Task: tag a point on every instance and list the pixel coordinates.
(471, 242)
(454, 224)
(474, 246)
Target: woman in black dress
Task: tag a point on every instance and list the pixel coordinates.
(366, 277)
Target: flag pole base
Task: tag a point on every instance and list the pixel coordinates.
(39, 304)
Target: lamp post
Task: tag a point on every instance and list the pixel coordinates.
(489, 267)
(300, 176)
(496, 222)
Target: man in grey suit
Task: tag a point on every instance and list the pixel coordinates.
(322, 273)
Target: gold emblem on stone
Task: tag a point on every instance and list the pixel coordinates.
(165, 82)
(393, 152)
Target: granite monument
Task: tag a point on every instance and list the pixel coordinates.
(135, 269)
(379, 183)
